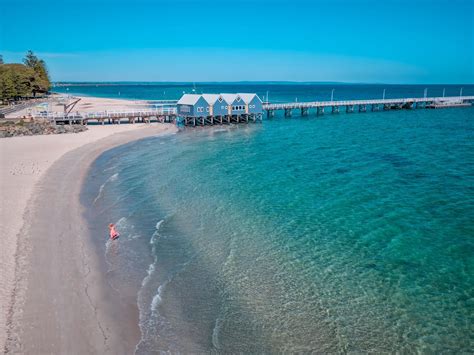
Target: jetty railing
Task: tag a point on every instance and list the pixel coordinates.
(376, 104)
(168, 113)
(162, 114)
(314, 104)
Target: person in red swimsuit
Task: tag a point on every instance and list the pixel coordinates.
(113, 233)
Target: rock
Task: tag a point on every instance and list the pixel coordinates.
(22, 128)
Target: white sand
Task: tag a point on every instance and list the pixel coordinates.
(89, 104)
(23, 162)
(94, 104)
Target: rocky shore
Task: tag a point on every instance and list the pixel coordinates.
(33, 128)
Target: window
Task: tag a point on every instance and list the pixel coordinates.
(227, 107)
(185, 108)
(238, 99)
(220, 100)
(233, 108)
(222, 107)
(207, 109)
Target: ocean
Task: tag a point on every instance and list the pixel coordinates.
(337, 233)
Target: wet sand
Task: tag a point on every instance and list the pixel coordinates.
(53, 296)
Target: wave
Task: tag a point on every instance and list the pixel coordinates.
(101, 188)
(157, 299)
(215, 333)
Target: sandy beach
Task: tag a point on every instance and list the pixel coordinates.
(85, 104)
(52, 298)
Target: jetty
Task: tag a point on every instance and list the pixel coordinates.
(351, 106)
(163, 115)
(219, 109)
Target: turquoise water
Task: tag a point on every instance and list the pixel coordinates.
(346, 233)
(277, 92)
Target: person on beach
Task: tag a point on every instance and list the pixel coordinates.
(113, 233)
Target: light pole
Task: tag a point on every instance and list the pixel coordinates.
(460, 92)
(425, 93)
(332, 95)
(444, 90)
(383, 95)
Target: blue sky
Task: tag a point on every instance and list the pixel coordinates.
(391, 41)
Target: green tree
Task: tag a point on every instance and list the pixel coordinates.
(30, 60)
(41, 82)
(1, 59)
(23, 80)
(7, 85)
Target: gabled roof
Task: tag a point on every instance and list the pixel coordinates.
(210, 98)
(189, 99)
(229, 98)
(247, 97)
(192, 99)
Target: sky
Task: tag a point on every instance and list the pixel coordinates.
(369, 41)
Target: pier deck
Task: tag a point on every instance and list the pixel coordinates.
(169, 114)
(165, 114)
(374, 104)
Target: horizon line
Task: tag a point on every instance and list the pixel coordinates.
(138, 82)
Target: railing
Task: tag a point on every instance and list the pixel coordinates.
(165, 111)
(294, 105)
(22, 106)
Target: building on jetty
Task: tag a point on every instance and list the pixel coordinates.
(209, 109)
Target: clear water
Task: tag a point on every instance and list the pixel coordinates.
(277, 92)
(344, 233)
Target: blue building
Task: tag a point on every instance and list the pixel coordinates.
(193, 105)
(206, 105)
(216, 104)
(253, 104)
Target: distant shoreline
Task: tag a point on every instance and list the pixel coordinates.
(180, 83)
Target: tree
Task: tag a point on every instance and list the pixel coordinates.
(30, 60)
(19, 81)
(7, 85)
(1, 59)
(41, 82)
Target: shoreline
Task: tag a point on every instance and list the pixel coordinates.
(53, 290)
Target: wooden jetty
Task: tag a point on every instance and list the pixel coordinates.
(163, 115)
(220, 120)
(237, 114)
(363, 105)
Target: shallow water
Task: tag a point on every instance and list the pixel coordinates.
(334, 234)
